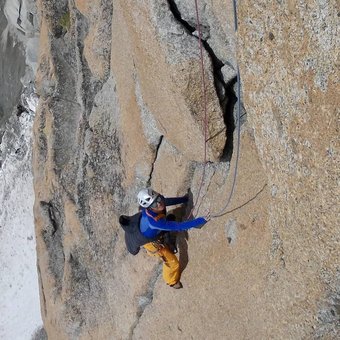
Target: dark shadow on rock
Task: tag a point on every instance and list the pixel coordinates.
(176, 214)
(181, 237)
(190, 204)
(182, 245)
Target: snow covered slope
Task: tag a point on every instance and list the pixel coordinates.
(19, 300)
(19, 304)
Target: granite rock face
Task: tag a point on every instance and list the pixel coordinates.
(121, 108)
(289, 62)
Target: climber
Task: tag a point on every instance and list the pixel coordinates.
(154, 222)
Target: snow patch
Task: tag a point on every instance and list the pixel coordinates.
(19, 304)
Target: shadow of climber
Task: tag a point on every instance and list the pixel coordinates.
(180, 238)
(182, 245)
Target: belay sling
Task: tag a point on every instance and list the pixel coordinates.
(134, 239)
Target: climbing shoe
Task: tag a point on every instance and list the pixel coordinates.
(177, 285)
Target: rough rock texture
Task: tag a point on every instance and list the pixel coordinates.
(289, 64)
(121, 108)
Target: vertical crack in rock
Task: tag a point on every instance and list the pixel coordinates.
(146, 299)
(154, 161)
(52, 236)
(79, 283)
(53, 219)
(42, 291)
(19, 21)
(224, 91)
(79, 275)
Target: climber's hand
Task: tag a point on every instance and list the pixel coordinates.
(187, 196)
(207, 216)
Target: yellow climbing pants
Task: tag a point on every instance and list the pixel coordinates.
(171, 270)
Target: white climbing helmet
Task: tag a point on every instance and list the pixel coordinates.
(146, 197)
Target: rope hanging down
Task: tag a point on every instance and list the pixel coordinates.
(205, 106)
(238, 123)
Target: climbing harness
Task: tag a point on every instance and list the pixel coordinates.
(238, 124)
(156, 218)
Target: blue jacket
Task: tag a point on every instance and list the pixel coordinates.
(152, 224)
